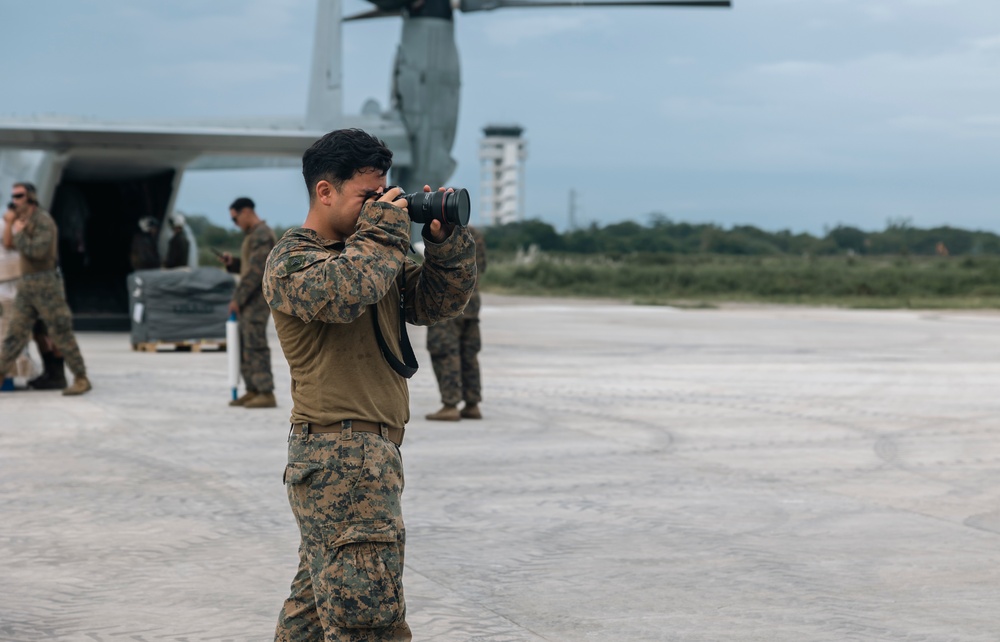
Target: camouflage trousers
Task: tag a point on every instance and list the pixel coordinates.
(345, 492)
(255, 355)
(454, 346)
(41, 296)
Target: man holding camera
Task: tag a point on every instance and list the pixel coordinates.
(40, 293)
(340, 288)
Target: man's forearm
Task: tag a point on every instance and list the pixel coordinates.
(315, 285)
(33, 246)
(339, 290)
(443, 284)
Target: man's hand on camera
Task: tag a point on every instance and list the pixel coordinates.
(392, 197)
(9, 216)
(440, 232)
(399, 222)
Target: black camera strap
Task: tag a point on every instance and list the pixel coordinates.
(408, 366)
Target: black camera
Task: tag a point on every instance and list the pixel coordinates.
(448, 207)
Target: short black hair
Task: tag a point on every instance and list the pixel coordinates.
(341, 154)
(30, 189)
(242, 203)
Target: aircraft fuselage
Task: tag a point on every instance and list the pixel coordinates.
(97, 198)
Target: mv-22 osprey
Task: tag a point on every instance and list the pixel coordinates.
(99, 178)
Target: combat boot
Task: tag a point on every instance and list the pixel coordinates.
(261, 400)
(471, 411)
(447, 413)
(54, 377)
(43, 378)
(247, 396)
(80, 385)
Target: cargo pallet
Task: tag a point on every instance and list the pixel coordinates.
(204, 345)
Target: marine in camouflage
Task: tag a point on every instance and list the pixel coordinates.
(255, 355)
(345, 489)
(454, 345)
(40, 295)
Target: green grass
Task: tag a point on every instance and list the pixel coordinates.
(707, 280)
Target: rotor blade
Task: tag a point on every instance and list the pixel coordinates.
(368, 15)
(488, 5)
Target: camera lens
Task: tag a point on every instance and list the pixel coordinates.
(448, 207)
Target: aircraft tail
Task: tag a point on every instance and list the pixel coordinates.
(325, 101)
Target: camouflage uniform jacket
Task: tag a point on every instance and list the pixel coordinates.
(37, 243)
(257, 245)
(321, 292)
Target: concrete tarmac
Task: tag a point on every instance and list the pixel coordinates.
(641, 473)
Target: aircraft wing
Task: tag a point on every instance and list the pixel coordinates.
(218, 146)
(194, 140)
(244, 162)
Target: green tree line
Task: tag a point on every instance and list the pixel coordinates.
(663, 236)
(685, 264)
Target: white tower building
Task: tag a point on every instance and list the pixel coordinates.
(502, 152)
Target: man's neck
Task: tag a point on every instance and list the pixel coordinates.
(316, 222)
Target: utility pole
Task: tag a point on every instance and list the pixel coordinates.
(572, 209)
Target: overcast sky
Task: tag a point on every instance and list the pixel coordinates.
(784, 114)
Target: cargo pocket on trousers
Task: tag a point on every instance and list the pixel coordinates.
(363, 576)
(299, 471)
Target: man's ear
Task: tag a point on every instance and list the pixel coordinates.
(325, 192)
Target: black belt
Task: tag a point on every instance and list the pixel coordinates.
(395, 435)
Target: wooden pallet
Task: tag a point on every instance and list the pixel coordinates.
(180, 346)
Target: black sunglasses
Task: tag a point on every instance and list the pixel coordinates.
(21, 195)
